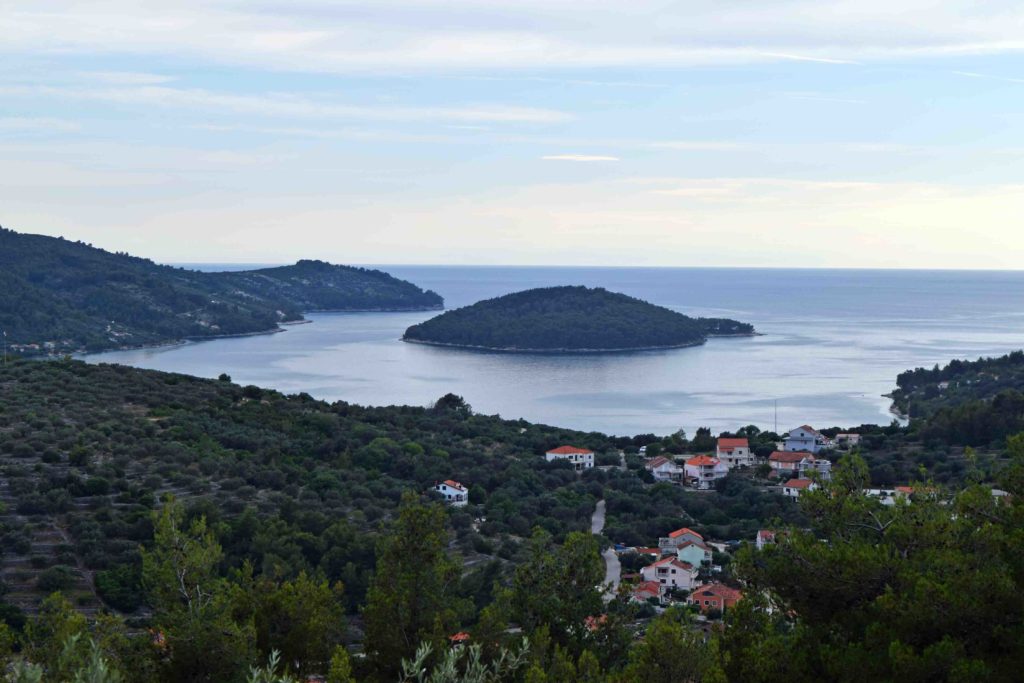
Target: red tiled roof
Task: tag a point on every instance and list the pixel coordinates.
(729, 444)
(685, 530)
(568, 450)
(459, 637)
(720, 590)
(798, 483)
(905, 489)
(454, 484)
(694, 543)
(657, 462)
(649, 551)
(766, 534)
(648, 588)
(787, 456)
(809, 429)
(702, 461)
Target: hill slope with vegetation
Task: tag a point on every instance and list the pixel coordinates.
(61, 296)
(967, 402)
(571, 319)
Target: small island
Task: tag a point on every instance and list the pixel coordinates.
(569, 320)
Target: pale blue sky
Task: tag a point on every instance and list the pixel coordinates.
(734, 132)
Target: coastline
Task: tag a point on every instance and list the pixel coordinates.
(279, 327)
(566, 351)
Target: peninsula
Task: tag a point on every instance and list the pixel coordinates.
(61, 296)
(569, 320)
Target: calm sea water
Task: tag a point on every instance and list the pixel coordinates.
(833, 343)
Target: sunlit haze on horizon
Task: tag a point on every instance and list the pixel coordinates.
(784, 134)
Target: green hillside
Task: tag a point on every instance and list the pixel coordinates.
(59, 296)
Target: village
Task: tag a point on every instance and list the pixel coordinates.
(684, 568)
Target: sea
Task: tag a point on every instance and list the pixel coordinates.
(830, 345)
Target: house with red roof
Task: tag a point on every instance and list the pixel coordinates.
(664, 469)
(764, 538)
(734, 452)
(703, 471)
(645, 590)
(671, 573)
(581, 458)
(715, 596)
(794, 487)
(452, 492)
(670, 544)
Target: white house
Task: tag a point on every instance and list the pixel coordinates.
(704, 471)
(794, 487)
(847, 441)
(798, 464)
(671, 572)
(453, 492)
(806, 439)
(734, 452)
(670, 544)
(765, 537)
(580, 458)
(664, 469)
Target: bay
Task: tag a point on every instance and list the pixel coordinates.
(831, 344)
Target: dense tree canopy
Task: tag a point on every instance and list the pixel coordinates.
(569, 319)
(79, 297)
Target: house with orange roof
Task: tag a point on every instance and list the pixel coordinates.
(452, 492)
(703, 471)
(715, 596)
(734, 452)
(646, 590)
(581, 458)
(670, 544)
(671, 573)
(794, 487)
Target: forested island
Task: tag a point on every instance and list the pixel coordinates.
(63, 296)
(569, 319)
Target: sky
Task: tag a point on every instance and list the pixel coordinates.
(807, 133)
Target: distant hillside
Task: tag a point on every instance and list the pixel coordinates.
(575, 319)
(974, 403)
(922, 391)
(59, 295)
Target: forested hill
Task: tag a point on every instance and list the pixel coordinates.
(922, 391)
(569, 319)
(971, 402)
(57, 295)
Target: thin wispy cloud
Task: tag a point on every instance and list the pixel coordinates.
(813, 97)
(579, 157)
(125, 77)
(989, 77)
(37, 125)
(294, 106)
(808, 58)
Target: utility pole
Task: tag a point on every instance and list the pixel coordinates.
(5, 348)
(776, 416)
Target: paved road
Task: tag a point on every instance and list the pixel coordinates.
(612, 567)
